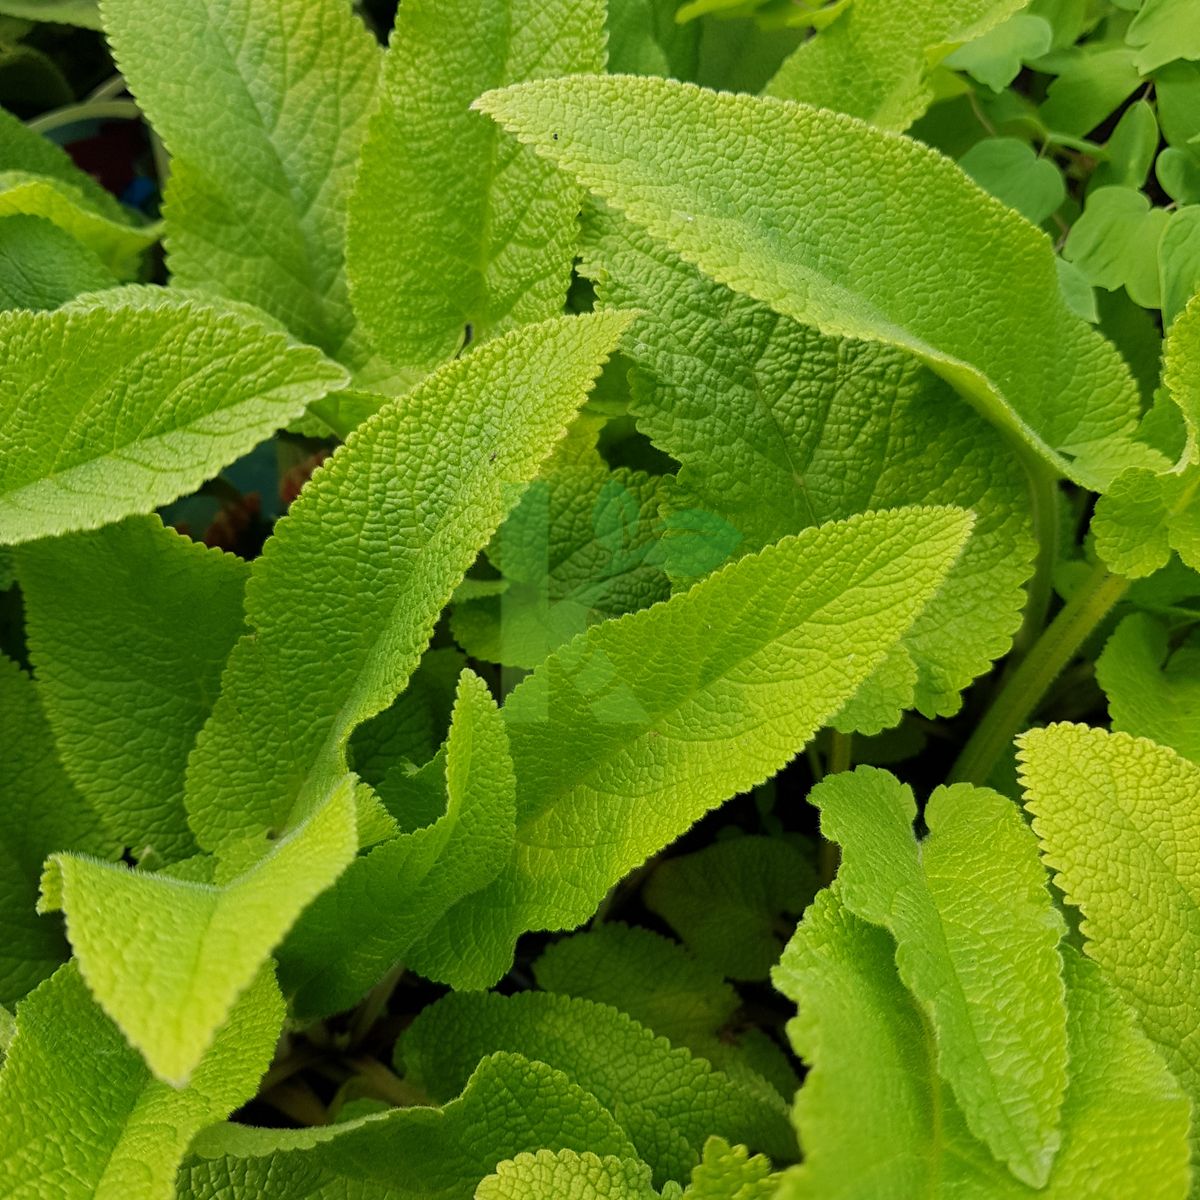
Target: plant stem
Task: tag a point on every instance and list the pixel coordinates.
(373, 1006)
(387, 1085)
(106, 110)
(1044, 510)
(1025, 687)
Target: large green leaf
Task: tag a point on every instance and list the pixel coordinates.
(877, 1123)
(874, 61)
(84, 1118)
(457, 233)
(631, 732)
(263, 105)
(167, 958)
(666, 1100)
(129, 628)
(547, 1176)
(798, 208)
(42, 267)
(976, 944)
(346, 594)
(108, 412)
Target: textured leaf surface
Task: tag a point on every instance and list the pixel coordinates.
(1181, 371)
(1153, 688)
(168, 958)
(1119, 822)
(667, 1101)
(509, 1106)
(778, 428)
(392, 896)
(42, 267)
(111, 412)
(730, 1173)
(877, 1124)
(263, 106)
(548, 1176)
(457, 233)
(630, 733)
(977, 944)
(1144, 517)
(129, 627)
(40, 812)
(346, 594)
(873, 62)
(797, 208)
(84, 1117)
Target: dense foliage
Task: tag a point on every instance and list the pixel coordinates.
(721, 478)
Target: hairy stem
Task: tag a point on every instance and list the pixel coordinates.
(1044, 510)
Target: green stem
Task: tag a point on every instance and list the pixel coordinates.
(387, 1085)
(1044, 510)
(1025, 687)
(374, 1005)
(106, 110)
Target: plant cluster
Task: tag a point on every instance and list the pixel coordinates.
(728, 464)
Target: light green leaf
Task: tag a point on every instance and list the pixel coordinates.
(444, 465)
(779, 428)
(977, 945)
(129, 627)
(874, 60)
(1153, 688)
(263, 155)
(483, 235)
(1144, 517)
(729, 901)
(1162, 31)
(996, 58)
(729, 1173)
(878, 1124)
(1115, 243)
(1130, 149)
(392, 896)
(1013, 173)
(85, 1120)
(550, 1176)
(630, 733)
(41, 812)
(1181, 372)
(1178, 174)
(109, 412)
(1094, 79)
(42, 267)
(795, 206)
(667, 1101)
(509, 1106)
(69, 12)
(1119, 822)
(167, 958)
(1179, 263)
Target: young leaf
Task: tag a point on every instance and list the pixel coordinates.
(262, 155)
(129, 627)
(343, 601)
(728, 1172)
(42, 267)
(1013, 172)
(508, 1106)
(873, 62)
(1124, 1121)
(630, 733)
(1144, 516)
(168, 958)
(41, 813)
(114, 411)
(797, 207)
(996, 58)
(86, 1120)
(666, 1100)
(1153, 689)
(485, 235)
(1119, 822)
(1162, 31)
(1115, 243)
(392, 896)
(549, 1176)
(976, 944)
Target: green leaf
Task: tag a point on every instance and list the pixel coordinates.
(485, 235)
(42, 267)
(41, 813)
(667, 1101)
(977, 945)
(996, 58)
(1115, 243)
(779, 428)
(549, 1176)
(878, 1123)
(509, 1106)
(729, 1173)
(1181, 373)
(1153, 687)
(70, 12)
(1178, 174)
(391, 897)
(1013, 173)
(1095, 79)
(645, 39)
(1130, 149)
(129, 627)
(630, 733)
(1119, 822)
(261, 162)
(1162, 31)
(730, 901)
(168, 958)
(85, 1119)
(795, 206)
(1179, 262)
(874, 60)
(114, 411)
(1177, 92)
(292, 694)
(1144, 517)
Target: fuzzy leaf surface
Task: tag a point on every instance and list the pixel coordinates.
(546, 1175)
(42, 267)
